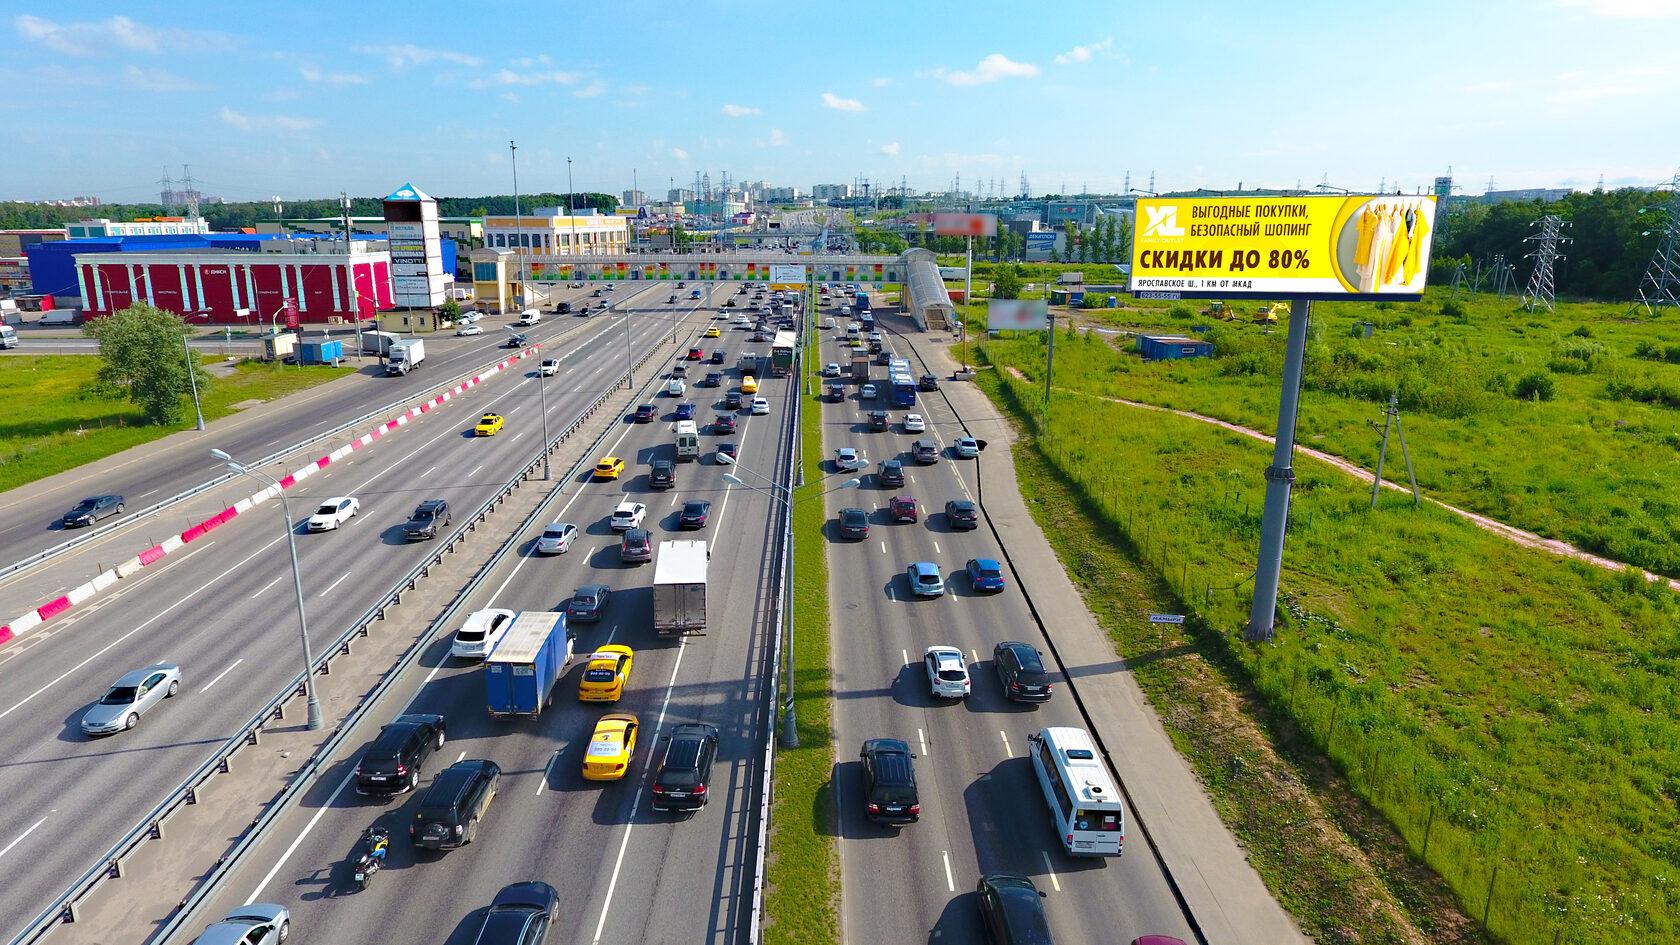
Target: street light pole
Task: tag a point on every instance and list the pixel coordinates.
(297, 584)
(192, 377)
(542, 393)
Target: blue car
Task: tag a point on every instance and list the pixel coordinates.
(685, 411)
(925, 580)
(985, 574)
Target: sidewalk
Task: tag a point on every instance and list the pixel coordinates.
(1227, 897)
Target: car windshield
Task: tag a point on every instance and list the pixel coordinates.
(422, 515)
(86, 505)
(926, 577)
(988, 573)
(120, 695)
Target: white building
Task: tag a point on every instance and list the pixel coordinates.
(679, 195)
(780, 194)
(634, 198)
(549, 231)
(831, 191)
(144, 226)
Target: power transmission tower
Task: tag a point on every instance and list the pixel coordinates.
(190, 191)
(1025, 192)
(1504, 277)
(1661, 285)
(1541, 290)
(166, 194)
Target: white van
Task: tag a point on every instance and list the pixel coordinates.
(8, 337)
(688, 440)
(529, 317)
(852, 331)
(828, 323)
(674, 387)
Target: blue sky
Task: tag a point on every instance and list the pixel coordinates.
(304, 99)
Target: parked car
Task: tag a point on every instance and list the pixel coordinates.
(662, 474)
(1012, 910)
(587, 603)
(889, 782)
(611, 747)
(925, 580)
(91, 509)
(903, 508)
(392, 764)
(636, 548)
(259, 923)
(947, 672)
(962, 514)
(131, 696)
(521, 914)
(1020, 668)
(985, 574)
(557, 538)
(854, 523)
(695, 512)
(428, 517)
(333, 513)
(685, 770)
(480, 633)
(455, 804)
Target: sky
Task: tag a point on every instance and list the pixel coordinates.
(304, 99)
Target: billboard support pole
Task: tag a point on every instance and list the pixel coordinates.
(968, 297)
(1280, 479)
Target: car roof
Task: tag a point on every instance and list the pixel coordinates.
(558, 528)
(1025, 653)
(591, 590)
(987, 564)
(924, 567)
(139, 676)
(534, 895)
(944, 652)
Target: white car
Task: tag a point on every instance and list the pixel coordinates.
(333, 513)
(628, 515)
(847, 459)
(557, 538)
(549, 367)
(831, 370)
(868, 392)
(947, 672)
(470, 330)
(913, 423)
(760, 406)
(480, 634)
(467, 318)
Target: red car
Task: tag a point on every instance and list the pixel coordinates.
(903, 508)
(695, 354)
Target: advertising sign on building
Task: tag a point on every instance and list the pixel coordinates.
(787, 277)
(1017, 315)
(291, 314)
(1329, 247)
(964, 224)
(417, 276)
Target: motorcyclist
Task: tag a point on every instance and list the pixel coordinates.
(376, 839)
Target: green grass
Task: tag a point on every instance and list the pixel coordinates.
(59, 419)
(1521, 709)
(803, 883)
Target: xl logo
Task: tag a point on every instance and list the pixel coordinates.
(1163, 221)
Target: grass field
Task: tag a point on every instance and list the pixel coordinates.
(1505, 710)
(58, 419)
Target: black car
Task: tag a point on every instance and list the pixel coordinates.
(882, 356)
(647, 413)
(92, 509)
(718, 356)
(1021, 671)
(854, 523)
(1012, 910)
(732, 400)
(695, 512)
(727, 449)
(587, 602)
(878, 421)
(889, 782)
(636, 547)
(391, 765)
(428, 517)
(891, 474)
(686, 769)
(563, 308)
(713, 379)
(723, 423)
(455, 804)
(929, 382)
(516, 341)
(671, 301)
(662, 474)
(520, 915)
(961, 513)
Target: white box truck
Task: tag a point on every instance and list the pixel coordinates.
(405, 355)
(679, 587)
(688, 440)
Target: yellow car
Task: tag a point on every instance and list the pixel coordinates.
(609, 468)
(606, 674)
(749, 385)
(610, 748)
(712, 332)
(488, 425)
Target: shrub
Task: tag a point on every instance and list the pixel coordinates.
(1649, 351)
(1181, 311)
(1535, 385)
(1452, 308)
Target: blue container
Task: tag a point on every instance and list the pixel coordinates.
(1169, 347)
(320, 352)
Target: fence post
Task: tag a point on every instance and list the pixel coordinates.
(1488, 903)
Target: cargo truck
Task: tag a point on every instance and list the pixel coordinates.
(405, 355)
(781, 354)
(377, 342)
(860, 367)
(679, 587)
(520, 673)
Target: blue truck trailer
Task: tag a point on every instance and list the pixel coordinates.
(520, 672)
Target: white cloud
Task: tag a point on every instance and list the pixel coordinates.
(510, 77)
(777, 139)
(882, 82)
(246, 122)
(312, 74)
(992, 68)
(839, 104)
(679, 154)
(526, 62)
(890, 149)
(739, 111)
(408, 54)
(594, 88)
(1584, 93)
(1084, 53)
(157, 80)
(1625, 8)
(115, 34)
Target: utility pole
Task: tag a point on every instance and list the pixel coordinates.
(1280, 479)
(571, 198)
(355, 297)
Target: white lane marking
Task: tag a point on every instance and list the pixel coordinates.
(220, 675)
(921, 736)
(904, 655)
(476, 469)
(461, 757)
(612, 632)
(333, 585)
(973, 656)
(936, 548)
(26, 833)
(950, 884)
(548, 769)
(267, 586)
(428, 472)
(120, 640)
(1048, 869)
(516, 436)
(144, 494)
(1007, 750)
(883, 546)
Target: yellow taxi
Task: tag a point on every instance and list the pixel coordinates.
(606, 674)
(608, 756)
(609, 468)
(749, 385)
(488, 425)
(713, 332)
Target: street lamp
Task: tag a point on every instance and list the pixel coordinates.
(790, 721)
(297, 584)
(192, 377)
(542, 392)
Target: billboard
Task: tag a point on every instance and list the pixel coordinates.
(411, 223)
(1017, 315)
(1313, 247)
(787, 277)
(964, 224)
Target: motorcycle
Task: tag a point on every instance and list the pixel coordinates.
(375, 841)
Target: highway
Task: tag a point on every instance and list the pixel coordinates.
(223, 609)
(626, 874)
(982, 809)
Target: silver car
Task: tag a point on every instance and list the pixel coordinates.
(557, 538)
(260, 923)
(131, 697)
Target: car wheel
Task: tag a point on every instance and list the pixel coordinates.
(439, 744)
(414, 779)
(119, 508)
(132, 720)
(174, 687)
(285, 929)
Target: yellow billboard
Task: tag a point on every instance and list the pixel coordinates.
(1321, 247)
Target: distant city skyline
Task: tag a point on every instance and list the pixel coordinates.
(306, 100)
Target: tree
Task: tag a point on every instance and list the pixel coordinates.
(144, 348)
(1005, 283)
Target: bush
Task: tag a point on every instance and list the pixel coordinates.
(1181, 311)
(1535, 385)
(1452, 308)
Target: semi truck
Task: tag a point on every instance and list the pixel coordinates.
(781, 354)
(405, 355)
(520, 673)
(679, 587)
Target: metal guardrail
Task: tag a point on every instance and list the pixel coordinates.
(109, 865)
(45, 555)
